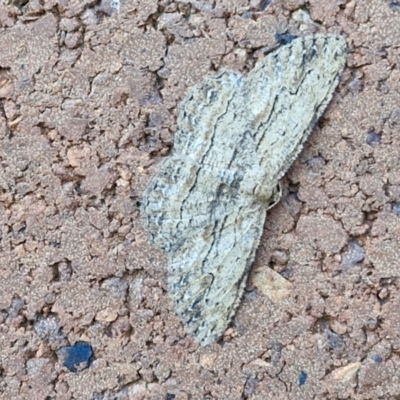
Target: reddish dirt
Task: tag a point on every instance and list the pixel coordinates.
(88, 98)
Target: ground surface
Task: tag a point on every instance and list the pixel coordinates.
(88, 96)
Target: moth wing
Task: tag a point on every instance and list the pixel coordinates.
(207, 273)
(201, 110)
(289, 90)
(190, 188)
(185, 196)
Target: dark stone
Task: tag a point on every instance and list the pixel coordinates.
(264, 4)
(77, 357)
(284, 38)
(377, 358)
(302, 378)
(373, 138)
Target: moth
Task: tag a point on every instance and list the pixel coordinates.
(237, 136)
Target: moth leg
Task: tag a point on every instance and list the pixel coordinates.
(277, 194)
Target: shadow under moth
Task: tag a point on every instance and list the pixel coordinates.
(237, 136)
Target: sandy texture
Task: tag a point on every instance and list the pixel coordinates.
(88, 96)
